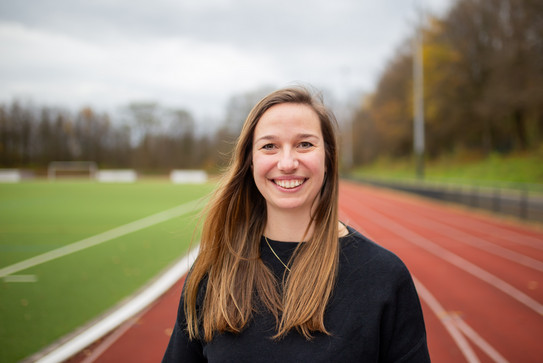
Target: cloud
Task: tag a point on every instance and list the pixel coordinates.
(48, 66)
(193, 54)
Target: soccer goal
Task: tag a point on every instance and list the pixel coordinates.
(71, 169)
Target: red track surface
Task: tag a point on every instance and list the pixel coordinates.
(480, 280)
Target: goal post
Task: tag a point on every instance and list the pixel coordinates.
(71, 169)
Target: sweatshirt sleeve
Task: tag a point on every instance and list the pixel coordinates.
(181, 348)
(403, 332)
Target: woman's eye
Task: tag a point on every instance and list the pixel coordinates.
(305, 145)
(268, 147)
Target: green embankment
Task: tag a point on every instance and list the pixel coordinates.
(524, 170)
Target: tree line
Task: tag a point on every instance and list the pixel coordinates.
(483, 92)
(483, 85)
(146, 136)
(150, 138)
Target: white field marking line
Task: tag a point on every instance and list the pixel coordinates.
(134, 306)
(102, 237)
(478, 340)
(447, 322)
(477, 242)
(456, 260)
(20, 278)
(438, 311)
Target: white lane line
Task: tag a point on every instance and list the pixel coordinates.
(133, 307)
(437, 250)
(491, 230)
(466, 238)
(102, 237)
(478, 340)
(501, 233)
(484, 245)
(447, 322)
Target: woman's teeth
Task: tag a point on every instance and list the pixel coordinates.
(289, 184)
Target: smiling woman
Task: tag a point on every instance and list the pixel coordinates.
(278, 277)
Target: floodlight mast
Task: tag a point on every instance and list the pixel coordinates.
(418, 98)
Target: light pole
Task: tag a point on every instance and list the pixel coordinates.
(346, 119)
(418, 99)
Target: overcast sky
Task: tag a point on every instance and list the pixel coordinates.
(194, 54)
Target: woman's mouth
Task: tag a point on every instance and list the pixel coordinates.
(289, 183)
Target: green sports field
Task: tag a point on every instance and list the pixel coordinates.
(44, 301)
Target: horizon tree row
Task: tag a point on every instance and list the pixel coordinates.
(149, 138)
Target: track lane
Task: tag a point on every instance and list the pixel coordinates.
(523, 271)
(471, 237)
(476, 223)
(492, 315)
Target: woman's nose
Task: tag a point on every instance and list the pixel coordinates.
(288, 161)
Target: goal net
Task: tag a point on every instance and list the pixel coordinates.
(71, 169)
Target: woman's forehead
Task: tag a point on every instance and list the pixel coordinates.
(288, 118)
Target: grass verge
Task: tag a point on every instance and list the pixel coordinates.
(518, 170)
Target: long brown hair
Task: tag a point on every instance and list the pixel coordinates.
(229, 258)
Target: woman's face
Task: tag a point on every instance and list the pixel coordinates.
(289, 157)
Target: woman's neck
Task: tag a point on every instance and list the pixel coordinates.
(288, 226)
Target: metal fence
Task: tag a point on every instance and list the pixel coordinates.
(520, 201)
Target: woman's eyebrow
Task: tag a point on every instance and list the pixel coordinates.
(266, 138)
(297, 137)
(307, 136)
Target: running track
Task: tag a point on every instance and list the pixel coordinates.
(480, 280)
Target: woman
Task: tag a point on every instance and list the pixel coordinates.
(278, 277)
